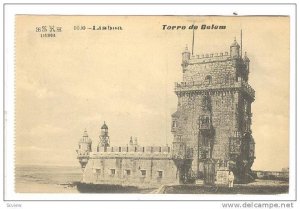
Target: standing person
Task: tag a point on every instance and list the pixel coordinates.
(230, 179)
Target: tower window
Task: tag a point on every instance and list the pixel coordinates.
(207, 120)
(208, 79)
(174, 124)
(112, 172)
(127, 172)
(159, 174)
(143, 173)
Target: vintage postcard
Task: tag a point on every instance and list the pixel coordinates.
(167, 102)
(152, 104)
(107, 102)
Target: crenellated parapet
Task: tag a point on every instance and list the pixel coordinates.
(129, 155)
(212, 57)
(135, 149)
(127, 152)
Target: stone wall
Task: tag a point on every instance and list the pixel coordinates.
(224, 121)
(140, 169)
(221, 72)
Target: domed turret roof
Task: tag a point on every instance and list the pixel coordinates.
(235, 43)
(104, 126)
(246, 57)
(186, 50)
(85, 134)
(85, 138)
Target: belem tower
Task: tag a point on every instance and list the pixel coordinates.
(211, 129)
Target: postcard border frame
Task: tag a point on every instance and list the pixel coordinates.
(239, 200)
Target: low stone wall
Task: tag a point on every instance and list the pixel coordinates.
(146, 170)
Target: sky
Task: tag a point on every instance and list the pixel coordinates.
(81, 78)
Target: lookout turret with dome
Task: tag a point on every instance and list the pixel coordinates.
(104, 138)
(84, 149)
(235, 49)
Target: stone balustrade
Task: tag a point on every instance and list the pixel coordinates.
(198, 86)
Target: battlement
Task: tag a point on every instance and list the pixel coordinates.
(124, 155)
(134, 152)
(213, 57)
(135, 149)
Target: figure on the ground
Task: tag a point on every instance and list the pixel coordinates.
(230, 179)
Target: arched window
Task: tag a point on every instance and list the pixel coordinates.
(207, 120)
(174, 124)
(208, 79)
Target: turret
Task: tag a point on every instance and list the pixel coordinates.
(84, 149)
(246, 60)
(235, 49)
(186, 55)
(175, 117)
(133, 141)
(104, 138)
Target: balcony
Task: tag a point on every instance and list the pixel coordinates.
(203, 152)
(205, 123)
(197, 86)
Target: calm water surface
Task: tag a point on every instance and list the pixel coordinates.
(47, 179)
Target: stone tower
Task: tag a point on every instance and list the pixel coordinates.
(84, 149)
(213, 114)
(104, 138)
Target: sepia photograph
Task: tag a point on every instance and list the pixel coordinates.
(152, 104)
